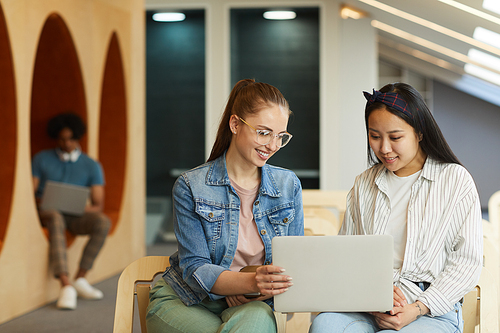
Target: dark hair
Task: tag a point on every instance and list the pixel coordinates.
(433, 142)
(66, 120)
(247, 97)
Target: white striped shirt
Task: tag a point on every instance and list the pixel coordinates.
(444, 230)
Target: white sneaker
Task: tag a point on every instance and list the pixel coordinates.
(67, 298)
(85, 290)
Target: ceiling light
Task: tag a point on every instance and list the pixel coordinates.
(428, 44)
(420, 41)
(473, 11)
(433, 26)
(487, 36)
(485, 59)
(492, 5)
(420, 55)
(351, 12)
(168, 17)
(482, 73)
(280, 15)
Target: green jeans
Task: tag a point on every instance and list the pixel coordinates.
(167, 313)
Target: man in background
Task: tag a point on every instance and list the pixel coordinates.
(68, 164)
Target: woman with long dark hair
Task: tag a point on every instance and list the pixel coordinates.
(418, 192)
(226, 213)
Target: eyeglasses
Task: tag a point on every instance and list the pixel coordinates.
(264, 136)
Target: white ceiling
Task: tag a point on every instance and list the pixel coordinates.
(406, 52)
(410, 54)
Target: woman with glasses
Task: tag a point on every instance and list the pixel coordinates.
(226, 213)
(418, 192)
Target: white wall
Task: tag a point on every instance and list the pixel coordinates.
(472, 128)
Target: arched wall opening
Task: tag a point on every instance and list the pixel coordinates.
(113, 130)
(8, 127)
(57, 84)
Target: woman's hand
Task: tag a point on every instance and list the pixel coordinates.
(236, 300)
(400, 316)
(399, 298)
(269, 282)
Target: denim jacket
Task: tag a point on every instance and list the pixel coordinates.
(206, 219)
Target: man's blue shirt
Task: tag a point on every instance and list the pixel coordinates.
(46, 165)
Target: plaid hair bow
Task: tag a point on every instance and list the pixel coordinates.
(390, 99)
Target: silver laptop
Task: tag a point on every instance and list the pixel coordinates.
(66, 198)
(335, 273)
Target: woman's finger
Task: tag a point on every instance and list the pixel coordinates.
(380, 319)
(271, 281)
(275, 288)
(274, 285)
(264, 276)
(229, 301)
(399, 297)
(270, 269)
(241, 299)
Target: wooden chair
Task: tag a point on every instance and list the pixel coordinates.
(490, 233)
(136, 279)
(320, 221)
(326, 199)
(491, 254)
(480, 308)
(494, 214)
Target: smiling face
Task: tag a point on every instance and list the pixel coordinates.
(244, 145)
(395, 143)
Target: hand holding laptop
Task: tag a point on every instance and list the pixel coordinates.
(269, 279)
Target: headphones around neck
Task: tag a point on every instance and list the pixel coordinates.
(69, 157)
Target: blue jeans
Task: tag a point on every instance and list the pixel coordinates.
(336, 322)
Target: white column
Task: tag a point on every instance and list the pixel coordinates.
(217, 62)
(348, 66)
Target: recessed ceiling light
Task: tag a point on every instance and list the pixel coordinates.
(433, 26)
(487, 36)
(484, 59)
(420, 41)
(473, 11)
(280, 15)
(493, 5)
(420, 55)
(168, 17)
(482, 73)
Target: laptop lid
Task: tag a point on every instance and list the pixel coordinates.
(335, 273)
(66, 198)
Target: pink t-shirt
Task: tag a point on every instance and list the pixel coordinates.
(250, 248)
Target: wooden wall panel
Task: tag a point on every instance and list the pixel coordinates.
(57, 82)
(113, 130)
(8, 127)
(61, 51)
